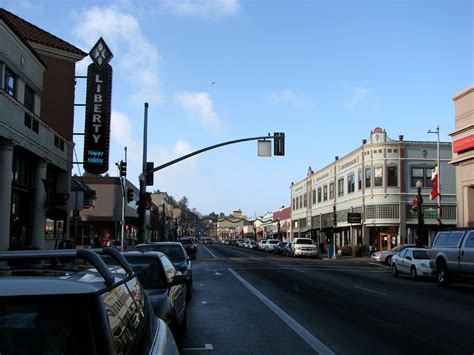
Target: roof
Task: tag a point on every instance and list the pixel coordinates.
(29, 32)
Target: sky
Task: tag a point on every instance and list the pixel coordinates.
(325, 73)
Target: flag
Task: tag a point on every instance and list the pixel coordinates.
(434, 178)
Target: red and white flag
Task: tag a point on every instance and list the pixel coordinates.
(434, 178)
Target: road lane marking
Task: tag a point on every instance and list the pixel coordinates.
(369, 290)
(203, 302)
(300, 270)
(379, 265)
(210, 252)
(206, 347)
(309, 338)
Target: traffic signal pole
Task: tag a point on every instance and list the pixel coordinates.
(122, 225)
(142, 233)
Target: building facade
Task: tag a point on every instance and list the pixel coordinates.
(365, 197)
(37, 78)
(463, 155)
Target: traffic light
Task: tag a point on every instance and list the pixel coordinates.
(123, 168)
(129, 195)
(279, 143)
(127, 227)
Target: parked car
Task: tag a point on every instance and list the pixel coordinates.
(270, 244)
(286, 250)
(304, 247)
(178, 256)
(384, 256)
(164, 286)
(71, 302)
(278, 248)
(252, 245)
(412, 261)
(261, 245)
(452, 256)
(190, 246)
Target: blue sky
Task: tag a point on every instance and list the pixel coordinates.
(324, 72)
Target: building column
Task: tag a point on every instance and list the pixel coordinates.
(39, 201)
(6, 173)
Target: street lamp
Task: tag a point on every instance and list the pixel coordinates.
(419, 213)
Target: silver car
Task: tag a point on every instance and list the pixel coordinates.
(385, 256)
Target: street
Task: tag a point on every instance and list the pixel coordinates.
(247, 302)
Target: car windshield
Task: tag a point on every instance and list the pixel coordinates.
(173, 251)
(186, 241)
(304, 241)
(421, 254)
(30, 326)
(149, 271)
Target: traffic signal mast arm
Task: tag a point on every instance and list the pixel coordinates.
(280, 136)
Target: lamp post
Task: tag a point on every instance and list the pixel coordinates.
(419, 213)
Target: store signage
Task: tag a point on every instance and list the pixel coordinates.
(354, 218)
(98, 108)
(463, 144)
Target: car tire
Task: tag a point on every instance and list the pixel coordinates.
(394, 270)
(442, 275)
(413, 273)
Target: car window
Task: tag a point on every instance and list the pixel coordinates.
(421, 254)
(442, 239)
(170, 271)
(121, 311)
(470, 240)
(408, 253)
(33, 326)
(453, 239)
(149, 271)
(402, 253)
(304, 241)
(174, 251)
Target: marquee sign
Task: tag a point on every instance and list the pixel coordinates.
(98, 108)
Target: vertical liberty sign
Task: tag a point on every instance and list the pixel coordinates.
(98, 108)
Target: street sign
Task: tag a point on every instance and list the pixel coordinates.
(354, 218)
(431, 211)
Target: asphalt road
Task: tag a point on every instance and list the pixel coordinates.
(246, 302)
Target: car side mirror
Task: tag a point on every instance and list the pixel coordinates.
(177, 280)
(408, 257)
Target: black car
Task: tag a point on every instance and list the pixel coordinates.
(70, 302)
(190, 246)
(279, 248)
(164, 286)
(178, 256)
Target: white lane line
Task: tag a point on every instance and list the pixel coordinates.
(300, 270)
(369, 290)
(379, 265)
(309, 338)
(210, 252)
(206, 347)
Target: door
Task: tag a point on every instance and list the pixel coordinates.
(385, 241)
(467, 254)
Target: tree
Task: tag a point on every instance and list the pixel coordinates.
(183, 203)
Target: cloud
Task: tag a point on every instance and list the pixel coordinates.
(288, 97)
(137, 59)
(200, 107)
(359, 95)
(202, 8)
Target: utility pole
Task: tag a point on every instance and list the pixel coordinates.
(142, 237)
(122, 227)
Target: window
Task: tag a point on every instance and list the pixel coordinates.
(470, 240)
(378, 176)
(29, 101)
(305, 200)
(359, 180)
(314, 196)
(423, 174)
(368, 177)
(301, 202)
(350, 183)
(325, 192)
(454, 238)
(340, 187)
(331, 191)
(170, 271)
(392, 175)
(10, 82)
(294, 204)
(319, 195)
(442, 238)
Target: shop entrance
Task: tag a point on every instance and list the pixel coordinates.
(386, 241)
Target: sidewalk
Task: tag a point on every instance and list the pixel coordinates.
(349, 258)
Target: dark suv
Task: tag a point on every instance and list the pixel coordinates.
(71, 302)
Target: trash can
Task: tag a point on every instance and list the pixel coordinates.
(330, 251)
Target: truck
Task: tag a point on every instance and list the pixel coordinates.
(452, 256)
